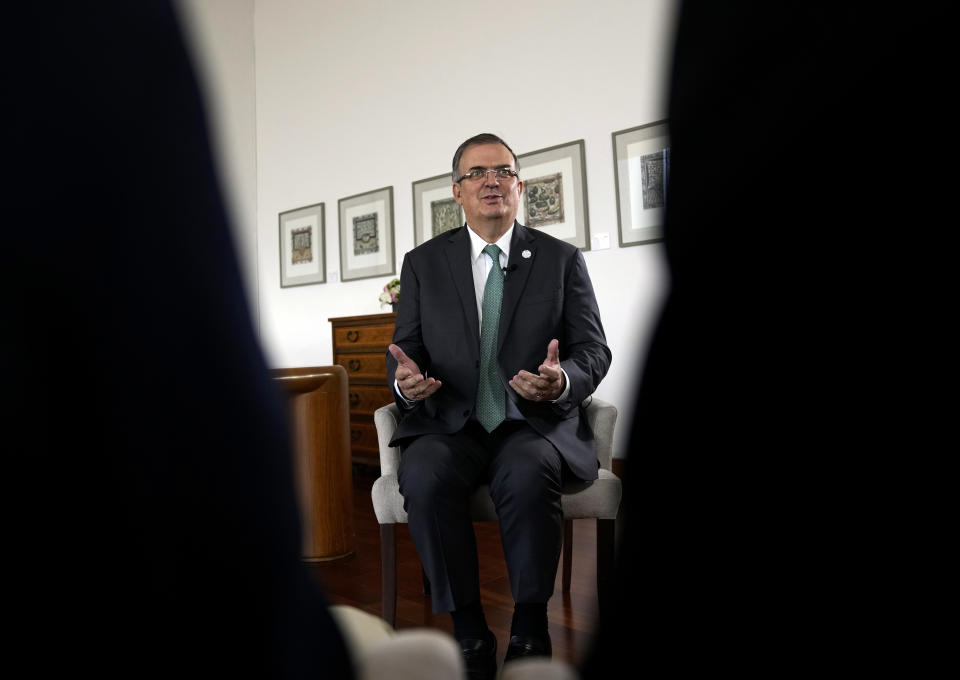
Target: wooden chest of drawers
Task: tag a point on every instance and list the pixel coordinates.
(360, 345)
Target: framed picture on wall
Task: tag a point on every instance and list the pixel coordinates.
(303, 250)
(366, 235)
(641, 170)
(435, 210)
(555, 192)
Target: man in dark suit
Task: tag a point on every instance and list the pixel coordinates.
(495, 348)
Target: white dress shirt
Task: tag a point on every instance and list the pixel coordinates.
(481, 263)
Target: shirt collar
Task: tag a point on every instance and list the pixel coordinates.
(477, 244)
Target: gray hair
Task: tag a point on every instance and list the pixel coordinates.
(482, 138)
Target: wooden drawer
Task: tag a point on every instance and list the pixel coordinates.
(367, 398)
(362, 337)
(363, 436)
(372, 367)
(360, 346)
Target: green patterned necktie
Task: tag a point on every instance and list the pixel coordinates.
(491, 404)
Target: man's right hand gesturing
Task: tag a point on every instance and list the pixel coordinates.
(413, 386)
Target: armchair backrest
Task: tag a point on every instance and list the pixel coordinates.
(601, 415)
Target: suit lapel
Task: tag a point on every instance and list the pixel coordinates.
(461, 271)
(519, 268)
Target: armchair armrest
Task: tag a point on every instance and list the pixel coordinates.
(602, 416)
(386, 419)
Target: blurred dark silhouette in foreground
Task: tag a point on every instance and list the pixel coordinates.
(154, 531)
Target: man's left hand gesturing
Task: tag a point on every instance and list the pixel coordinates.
(548, 385)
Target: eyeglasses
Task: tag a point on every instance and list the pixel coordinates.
(504, 174)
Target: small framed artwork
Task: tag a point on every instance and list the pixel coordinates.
(641, 169)
(366, 235)
(555, 192)
(302, 246)
(435, 210)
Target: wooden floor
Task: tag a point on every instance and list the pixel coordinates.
(355, 580)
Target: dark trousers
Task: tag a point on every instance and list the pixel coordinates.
(439, 473)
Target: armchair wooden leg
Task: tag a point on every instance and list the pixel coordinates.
(567, 553)
(388, 572)
(606, 562)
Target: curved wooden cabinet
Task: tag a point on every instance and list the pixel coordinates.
(319, 410)
(360, 346)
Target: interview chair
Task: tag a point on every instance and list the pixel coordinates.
(598, 500)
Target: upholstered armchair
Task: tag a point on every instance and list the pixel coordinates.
(598, 500)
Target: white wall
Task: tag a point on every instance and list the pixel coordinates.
(356, 95)
(220, 37)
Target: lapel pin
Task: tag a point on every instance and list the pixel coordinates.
(526, 254)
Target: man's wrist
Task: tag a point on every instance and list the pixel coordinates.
(407, 402)
(565, 392)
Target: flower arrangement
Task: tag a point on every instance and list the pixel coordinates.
(391, 293)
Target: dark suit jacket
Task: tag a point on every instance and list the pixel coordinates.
(546, 295)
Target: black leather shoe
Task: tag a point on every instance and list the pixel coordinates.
(480, 658)
(528, 645)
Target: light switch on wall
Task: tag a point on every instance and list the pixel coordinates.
(600, 241)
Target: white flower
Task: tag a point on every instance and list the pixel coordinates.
(391, 293)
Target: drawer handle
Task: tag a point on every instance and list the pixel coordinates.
(353, 336)
(355, 435)
(354, 398)
(354, 364)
